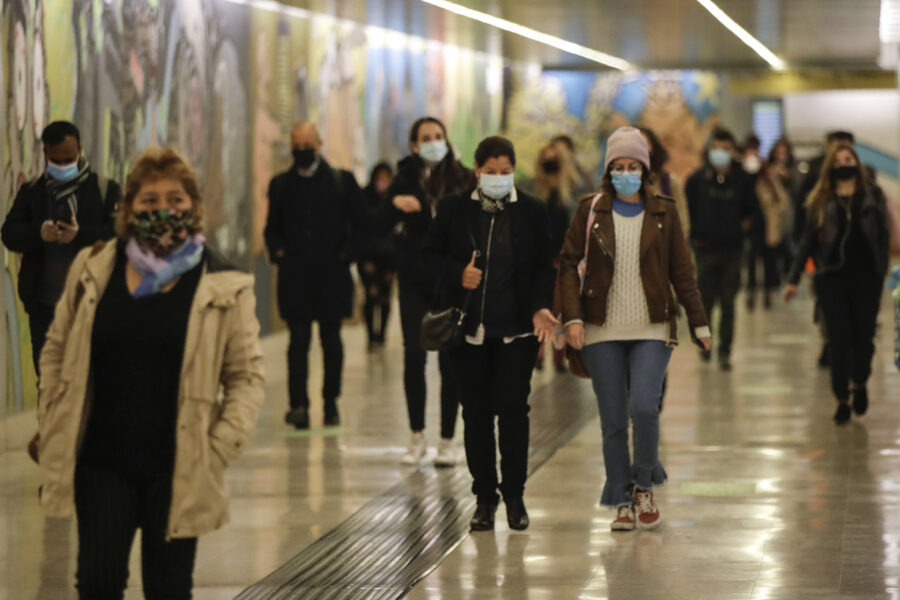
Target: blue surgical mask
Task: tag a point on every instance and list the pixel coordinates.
(434, 151)
(719, 157)
(626, 183)
(62, 172)
(496, 187)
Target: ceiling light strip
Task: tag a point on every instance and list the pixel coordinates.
(743, 35)
(532, 34)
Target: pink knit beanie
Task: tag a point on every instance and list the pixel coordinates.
(627, 142)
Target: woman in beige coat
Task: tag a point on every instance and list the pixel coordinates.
(151, 381)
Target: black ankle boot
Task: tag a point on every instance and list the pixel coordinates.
(516, 515)
(483, 519)
(842, 415)
(298, 417)
(332, 418)
(860, 400)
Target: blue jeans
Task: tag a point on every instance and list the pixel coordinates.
(620, 395)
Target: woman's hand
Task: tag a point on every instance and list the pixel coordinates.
(575, 335)
(471, 278)
(406, 203)
(544, 325)
(790, 293)
(706, 343)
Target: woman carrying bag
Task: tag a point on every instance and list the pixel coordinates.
(151, 382)
(624, 253)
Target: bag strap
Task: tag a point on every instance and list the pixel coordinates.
(592, 216)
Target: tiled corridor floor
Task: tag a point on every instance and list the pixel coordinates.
(767, 499)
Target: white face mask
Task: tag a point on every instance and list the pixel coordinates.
(752, 164)
(496, 187)
(434, 151)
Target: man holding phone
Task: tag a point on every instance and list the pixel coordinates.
(65, 209)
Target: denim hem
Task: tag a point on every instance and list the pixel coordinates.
(615, 498)
(645, 478)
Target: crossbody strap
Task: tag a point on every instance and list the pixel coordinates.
(590, 223)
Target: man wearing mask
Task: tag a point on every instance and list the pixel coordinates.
(314, 230)
(721, 204)
(52, 217)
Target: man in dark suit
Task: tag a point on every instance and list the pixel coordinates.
(54, 216)
(314, 231)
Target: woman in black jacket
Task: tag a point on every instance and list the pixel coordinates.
(377, 265)
(848, 238)
(424, 177)
(492, 246)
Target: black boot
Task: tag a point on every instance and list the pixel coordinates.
(860, 399)
(298, 417)
(483, 519)
(842, 414)
(516, 515)
(332, 418)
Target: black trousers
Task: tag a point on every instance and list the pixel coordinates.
(850, 305)
(719, 279)
(110, 508)
(378, 279)
(770, 255)
(413, 306)
(40, 316)
(495, 381)
(298, 362)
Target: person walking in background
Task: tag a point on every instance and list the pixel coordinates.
(566, 144)
(768, 237)
(377, 267)
(665, 181)
(554, 182)
(721, 203)
(620, 313)
(153, 363)
(493, 247)
(315, 229)
(67, 208)
(783, 165)
(755, 236)
(848, 238)
(429, 173)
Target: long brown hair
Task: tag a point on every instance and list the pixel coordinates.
(567, 177)
(824, 189)
(448, 176)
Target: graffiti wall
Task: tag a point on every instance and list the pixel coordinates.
(223, 82)
(681, 106)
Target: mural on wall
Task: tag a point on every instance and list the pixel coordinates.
(681, 106)
(223, 82)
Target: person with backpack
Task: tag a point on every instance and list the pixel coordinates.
(623, 255)
(65, 209)
(315, 229)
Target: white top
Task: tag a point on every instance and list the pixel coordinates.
(627, 313)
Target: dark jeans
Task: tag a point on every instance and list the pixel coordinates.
(850, 307)
(378, 279)
(495, 381)
(719, 279)
(298, 362)
(413, 306)
(110, 508)
(770, 255)
(40, 316)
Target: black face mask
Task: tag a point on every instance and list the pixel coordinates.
(304, 158)
(551, 167)
(845, 173)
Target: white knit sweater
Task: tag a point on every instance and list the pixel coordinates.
(627, 314)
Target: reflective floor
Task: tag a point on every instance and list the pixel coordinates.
(766, 499)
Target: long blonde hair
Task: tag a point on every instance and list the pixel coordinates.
(567, 177)
(824, 189)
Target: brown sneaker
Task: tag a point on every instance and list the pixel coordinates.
(624, 518)
(647, 511)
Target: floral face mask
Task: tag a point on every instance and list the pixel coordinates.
(162, 230)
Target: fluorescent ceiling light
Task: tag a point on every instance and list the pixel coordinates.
(743, 34)
(532, 34)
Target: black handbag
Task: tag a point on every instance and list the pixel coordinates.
(443, 329)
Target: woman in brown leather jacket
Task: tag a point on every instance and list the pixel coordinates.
(615, 288)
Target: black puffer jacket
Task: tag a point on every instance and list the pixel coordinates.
(826, 243)
(410, 228)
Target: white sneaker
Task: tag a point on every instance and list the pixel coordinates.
(417, 449)
(446, 454)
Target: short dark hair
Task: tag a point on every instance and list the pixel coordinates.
(57, 132)
(751, 142)
(659, 156)
(840, 136)
(720, 134)
(381, 167)
(494, 147)
(564, 140)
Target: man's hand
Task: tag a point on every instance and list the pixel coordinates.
(544, 325)
(575, 335)
(408, 204)
(471, 278)
(790, 293)
(49, 231)
(67, 231)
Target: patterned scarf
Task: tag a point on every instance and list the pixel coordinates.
(491, 206)
(159, 271)
(65, 190)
